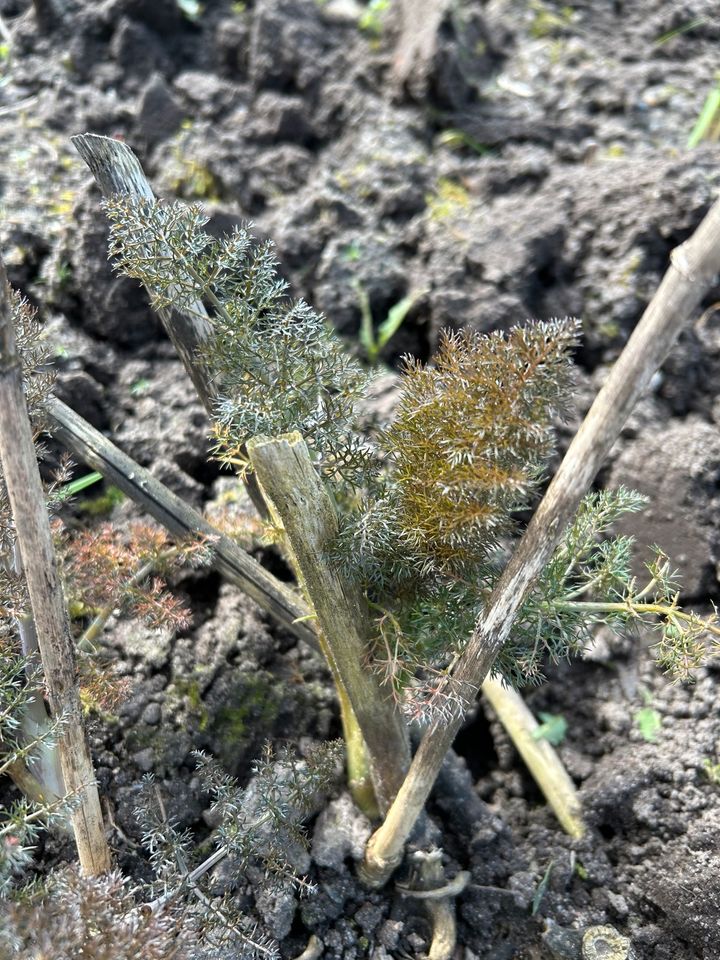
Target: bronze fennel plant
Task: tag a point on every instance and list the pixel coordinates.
(422, 515)
(426, 511)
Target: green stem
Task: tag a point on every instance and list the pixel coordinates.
(358, 761)
(631, 609)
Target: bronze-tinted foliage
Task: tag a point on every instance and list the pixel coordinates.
(473, 433)
(126, 568)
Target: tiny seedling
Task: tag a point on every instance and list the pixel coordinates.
(458, 139)
(372, 20)
(139, 387)
(679, 31)
(712, 771)
(546, 22)
(648, 720)
(351, 253)
(371, 340)
(707, 125)
(6, 53)
(541, 889)
(553, 728)
(103, 504)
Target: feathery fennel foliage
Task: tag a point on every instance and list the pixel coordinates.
(472, 434)
(438, 498)
(464, 453)
(259, 827)
(183, 914)
(72, 916)
(22, 822)
(277, 364)
(588, 582)
(35, 356)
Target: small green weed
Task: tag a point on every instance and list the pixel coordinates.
(102, 505)
(447, 200)
(194, 180)
(548, 23)
(542, 889)
(351, 253)
(5, 60)
(707, 125)
(63, 274)
(678, 31)
(373, 341)
(140, 387)
(648, 721)
(459, 139)
(712, 771)
(553, 728)
(371, 20)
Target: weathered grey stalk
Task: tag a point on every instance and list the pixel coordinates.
(34, 539)
(540, 758)
(44, 763)
(420, 22)
(694, 265)
(291, 484)
(117, 171)
(175, 515)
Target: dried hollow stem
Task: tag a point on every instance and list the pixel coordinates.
(291, 484)
(34, 539)
(36, 726)
(89, 445)
(540, 758)
(693, 268)
(118, 171)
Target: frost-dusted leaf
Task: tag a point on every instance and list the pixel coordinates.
(35, 355)
(259, 827)
(163, 245)
(283, 369)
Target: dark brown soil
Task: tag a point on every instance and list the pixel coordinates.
(535, 166)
